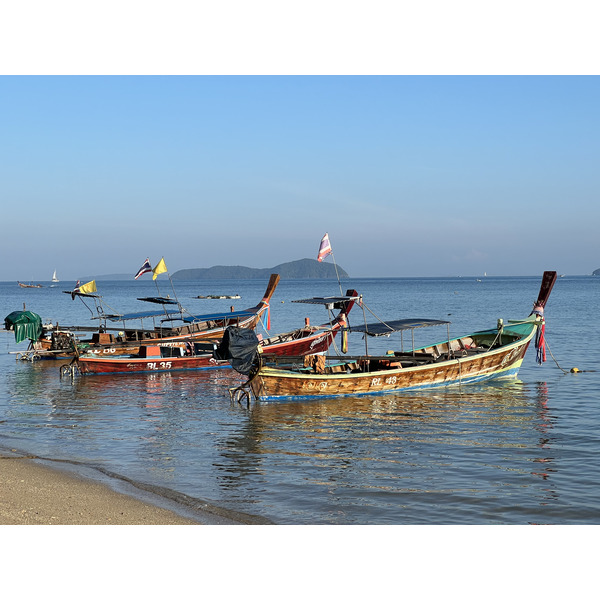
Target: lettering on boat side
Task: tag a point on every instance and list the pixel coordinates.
(510, 356)
(380, 381)
(319, 386)
(160, 365)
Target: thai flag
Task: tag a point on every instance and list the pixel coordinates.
(145, 268)
(324, 248)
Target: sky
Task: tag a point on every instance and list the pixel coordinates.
(412, 174)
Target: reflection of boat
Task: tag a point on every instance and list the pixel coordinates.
(479, 356)
(151, 358)
(29, 285)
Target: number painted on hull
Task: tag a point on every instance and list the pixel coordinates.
(158, 366)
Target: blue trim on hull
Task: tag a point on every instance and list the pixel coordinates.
(507, 374)
(159, 370)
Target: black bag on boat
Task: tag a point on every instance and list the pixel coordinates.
(239, 346)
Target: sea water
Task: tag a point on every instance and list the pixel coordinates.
(521, 451)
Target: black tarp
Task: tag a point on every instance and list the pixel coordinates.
(239, 346)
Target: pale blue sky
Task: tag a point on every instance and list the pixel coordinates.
(410, 175)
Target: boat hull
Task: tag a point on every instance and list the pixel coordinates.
(276, 384)
(300, 342)
(88, 365)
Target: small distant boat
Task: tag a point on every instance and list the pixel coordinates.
(29, 285)
(214, 297)
(55, 279)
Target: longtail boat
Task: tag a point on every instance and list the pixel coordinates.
(113, 341)
(29, 285)
(477, 357)
(182, 326)
(311, 339)
(205, 355)
(149, 358)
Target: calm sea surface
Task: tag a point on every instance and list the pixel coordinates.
(525, 451)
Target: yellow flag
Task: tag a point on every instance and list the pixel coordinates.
(88, 288)
(159, 268)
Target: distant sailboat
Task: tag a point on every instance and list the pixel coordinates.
(55, 278)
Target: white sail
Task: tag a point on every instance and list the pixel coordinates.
(54, 277)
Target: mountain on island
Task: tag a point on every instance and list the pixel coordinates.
(596, 272)
(306, 268)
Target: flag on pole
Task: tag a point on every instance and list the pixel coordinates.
(145, 268)
(324, 248)
(161, 267)
(87, 288)
(75, 289)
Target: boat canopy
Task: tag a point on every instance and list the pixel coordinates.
(169, 316)
(83, 294)
(137, 315)
(334, 301)
(381, 328)
(159, 300)
(238, 314)
(26, 324)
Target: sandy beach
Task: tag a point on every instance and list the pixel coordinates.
(33, 494)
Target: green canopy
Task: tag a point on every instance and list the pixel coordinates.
(27, 325)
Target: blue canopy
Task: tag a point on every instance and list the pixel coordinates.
(239, 314)
(167, 315)
(381, 328)
(138, 315)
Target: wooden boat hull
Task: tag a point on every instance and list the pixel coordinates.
(278, 384)
(88, 365)
(308, 342)
(29, 285)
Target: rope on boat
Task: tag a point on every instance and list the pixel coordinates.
(573, 370)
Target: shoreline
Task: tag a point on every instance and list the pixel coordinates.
(38, 491)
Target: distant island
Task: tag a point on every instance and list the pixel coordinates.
(596, 272)
(306, 268)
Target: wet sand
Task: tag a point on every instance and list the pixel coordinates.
(33, 494)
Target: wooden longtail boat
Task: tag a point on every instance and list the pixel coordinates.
(311, 339)
(160, 357)
(477, 357)
(29, 285)
(150, 358)
(192, 328)
(115, 341)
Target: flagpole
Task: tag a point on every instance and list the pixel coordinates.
(175, 294)
(337, 274)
